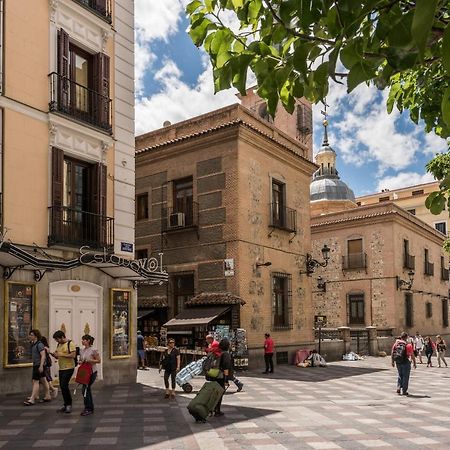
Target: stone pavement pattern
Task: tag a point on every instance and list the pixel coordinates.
(350, 405)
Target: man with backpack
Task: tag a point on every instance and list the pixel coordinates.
(402, 355)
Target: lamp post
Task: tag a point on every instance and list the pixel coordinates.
(406, 285)
(311, 263)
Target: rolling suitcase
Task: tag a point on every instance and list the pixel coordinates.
(205, 401)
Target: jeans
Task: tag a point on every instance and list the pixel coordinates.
(403, 369)
(268, 359)
(64, 379)
(87, 393)
(429, 355)
(172, 374)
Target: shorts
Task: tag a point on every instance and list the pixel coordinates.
(141, 354)
(36, 375)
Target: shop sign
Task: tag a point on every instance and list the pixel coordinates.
(144, 266)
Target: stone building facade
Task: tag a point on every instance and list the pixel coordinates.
(225, 198)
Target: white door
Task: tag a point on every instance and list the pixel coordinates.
(75, 308)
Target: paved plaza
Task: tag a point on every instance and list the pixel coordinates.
(350, 405)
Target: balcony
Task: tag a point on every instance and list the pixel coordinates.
(444, 274)
(80, 102)
(354, 261)
(75, 228)
(283, 218)
(174, 219)
(428, 268)
(409, 261)
(101, 8)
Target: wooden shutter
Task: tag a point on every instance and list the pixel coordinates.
(56, 215)
(63, 70)
(101, 103)
(98, 196)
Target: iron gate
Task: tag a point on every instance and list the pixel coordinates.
(359, 342)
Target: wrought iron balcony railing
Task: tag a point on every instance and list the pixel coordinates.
(409, 261)
(73, 227)
(80, 102)
(428, 268)
(283, 217)
(354, 261)
(101, 8)
(180, 218)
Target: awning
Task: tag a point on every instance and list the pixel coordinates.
(192, 317)
(144, 313)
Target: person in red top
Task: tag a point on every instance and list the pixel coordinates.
(213, 345)
(402, 355)
(268, 353)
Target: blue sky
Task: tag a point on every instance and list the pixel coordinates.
(174, 82)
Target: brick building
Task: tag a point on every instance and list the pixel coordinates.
(225, 198)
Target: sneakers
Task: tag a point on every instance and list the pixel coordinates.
(398, 391)
(62, 409)
(166, 395)
(68, 409)
(240, 387)
(86, 412)
(405, 393)
(218, 414)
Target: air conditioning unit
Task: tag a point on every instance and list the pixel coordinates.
(177, 220)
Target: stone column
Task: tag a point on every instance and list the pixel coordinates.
(373, 340)
(344, 334)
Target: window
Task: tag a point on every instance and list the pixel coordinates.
(428, 310)
(100, 7)
(408, 260)
(445, 313)
(416, 193)
(441, 227)
(383, 199)
(142, 253)
(356, 309)
(278, 198)
(409, 313)
(183, 289)
(444, 270)
(183, 200)
(355, 258)
(281, 301)
(429, 267)
(412, 211)
(142, 206)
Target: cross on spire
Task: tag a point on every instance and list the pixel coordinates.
(325, 124)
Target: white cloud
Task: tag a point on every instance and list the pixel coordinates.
(177, 101)
(403, 179)
(434, 144)
(143, 62)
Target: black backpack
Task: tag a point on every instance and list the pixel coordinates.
(48, 360)
(77, 353)
(399, 352)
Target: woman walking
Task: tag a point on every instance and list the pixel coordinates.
(170, 362)
(47, 371)
(91, 356)
(441, 348)
(429, 349)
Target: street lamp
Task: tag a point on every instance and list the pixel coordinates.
(312, 264)
(406, 285)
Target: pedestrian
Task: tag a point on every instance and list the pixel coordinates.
(224, 370)
(47, 369)
(90, 356)
(38, 373)
(65, 353)
(429, 350)
(268, 353)
(141, 351)
(170, 362)
(402, 355)
(441, 348)
(419, 344)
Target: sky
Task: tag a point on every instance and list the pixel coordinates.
(375, 150)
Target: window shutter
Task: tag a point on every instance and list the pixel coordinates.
(63, 70)
(100, 6)
(56, 217)
(101, 103)
(98, 195)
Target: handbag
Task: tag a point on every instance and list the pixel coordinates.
(84, 373)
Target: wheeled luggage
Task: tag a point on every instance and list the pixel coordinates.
(206, 400)
(187, 373)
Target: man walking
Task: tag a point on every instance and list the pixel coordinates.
(402, 355)
(419, 344)
(268, 353)
(141, 351)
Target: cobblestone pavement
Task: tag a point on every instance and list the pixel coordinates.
(350, 405)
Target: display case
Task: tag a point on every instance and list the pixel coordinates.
(120, 323)
(20, 317)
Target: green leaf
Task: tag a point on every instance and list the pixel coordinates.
(400, 34)
(430, 199)
(359, 73)
(300, 57)
(351, 54)
(445, 106)
(422, 23)
(237, 3)
(193, 6)
(437, 205)
(446, 50)
(199, 29)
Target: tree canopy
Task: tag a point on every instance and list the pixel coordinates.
(294, 48)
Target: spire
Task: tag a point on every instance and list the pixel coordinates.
(325, 125)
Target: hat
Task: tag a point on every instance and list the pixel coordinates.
(209, 336)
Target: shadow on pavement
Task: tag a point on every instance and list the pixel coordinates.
(126, 417)
(312, 374)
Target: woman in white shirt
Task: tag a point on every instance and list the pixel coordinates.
(90, 356)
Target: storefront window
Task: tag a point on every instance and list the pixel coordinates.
(19, 320)
(120, 323)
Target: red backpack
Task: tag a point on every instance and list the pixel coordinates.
(84, 373)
